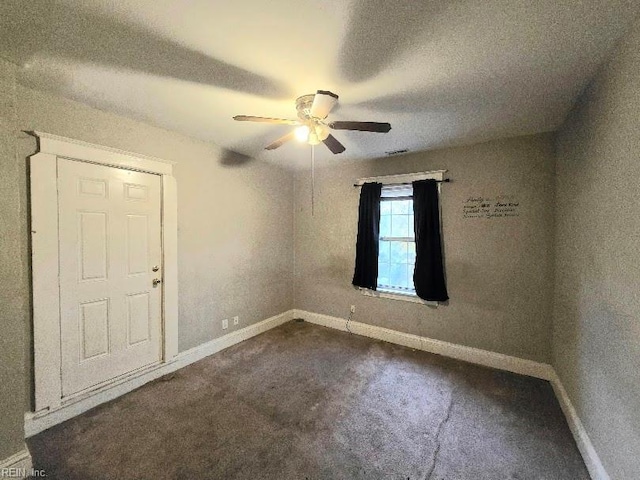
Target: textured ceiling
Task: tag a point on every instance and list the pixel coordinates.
(442, 72)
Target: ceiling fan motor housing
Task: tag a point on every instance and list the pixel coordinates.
(317, 130)
(303, 106)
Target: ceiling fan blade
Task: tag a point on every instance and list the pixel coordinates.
(334, 145)
(361, 126)
(281, 141)
(323, 103)
(279, 121)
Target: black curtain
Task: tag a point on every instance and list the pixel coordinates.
(367, 245)
(428, 276)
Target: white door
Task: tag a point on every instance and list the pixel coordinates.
(110, 245)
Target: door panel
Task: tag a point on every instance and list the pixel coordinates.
(94, 328)
(92, 232)
(109, 240)
(138, 318)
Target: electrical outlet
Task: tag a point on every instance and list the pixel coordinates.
(225, 323)
(353, 309)
(236, 320)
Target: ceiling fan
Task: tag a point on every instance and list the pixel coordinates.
(313, 127)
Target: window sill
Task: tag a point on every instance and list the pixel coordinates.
(404, 297)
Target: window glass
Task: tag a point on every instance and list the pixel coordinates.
(397, 256)
(399, 225)
(411, 255)
(383, 273)
(398, 275)
(385, 224)
(401, 207)
(385, 249)
(398, 252)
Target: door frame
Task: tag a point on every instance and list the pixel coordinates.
(45, 253)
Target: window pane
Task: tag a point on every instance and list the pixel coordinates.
(411, 249)
(398, 252)
(383, 274)
(399, 225)
(385, 225)
(383, 255)
(398, 275)
(400, 207)
(397, 258)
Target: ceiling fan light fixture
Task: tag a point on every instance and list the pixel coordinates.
(322, 132)
(323, 103)
(302, 133)
(313, 138)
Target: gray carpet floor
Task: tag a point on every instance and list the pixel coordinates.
(307, 402)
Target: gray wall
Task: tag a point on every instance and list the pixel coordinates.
(597, 316)
(14, 280)
(234, 215)
(235, 236)
(498, 269)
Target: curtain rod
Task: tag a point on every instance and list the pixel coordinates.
(445, 180)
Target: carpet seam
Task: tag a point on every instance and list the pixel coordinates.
(436, 451)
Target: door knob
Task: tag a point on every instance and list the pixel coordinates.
(156, 281)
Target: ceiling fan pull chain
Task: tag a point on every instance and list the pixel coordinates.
(313, 178)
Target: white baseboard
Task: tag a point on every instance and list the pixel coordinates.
(588, 452)
(17, 466)
(468, 354)
(481, 357)
(39, 421)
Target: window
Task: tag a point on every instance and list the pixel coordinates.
(388, 271)
(397, 255)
